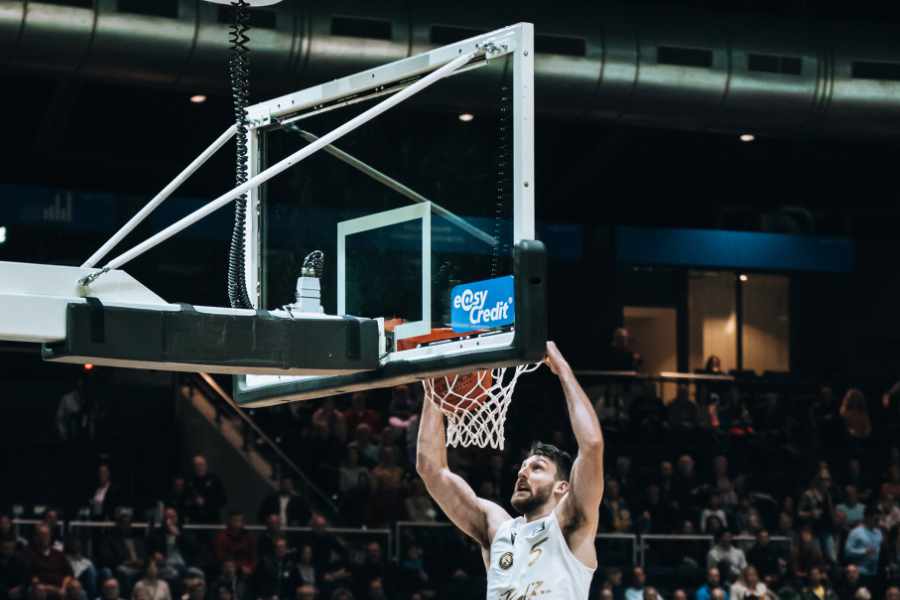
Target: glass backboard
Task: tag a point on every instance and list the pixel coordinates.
(424, 214)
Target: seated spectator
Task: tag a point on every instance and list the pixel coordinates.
(205, 494)
(683, 412)
(276, 576)
(713, 510)
(106, 497)
(173, 548)
(307, 592)
(712, 584)
(340, 594)
(419, 506)
(855, 413)
(359, 414)
(816, 511)
(123, 552)
(265, 546)
(51, 520)
(650, 593)
(373, 567)
(851, 507)
(362, 442)
(387, 489)
(237, 544)
(8, 531)
(892, 485)
(47, 566)
(411, 575)
(13, 570)
(679, 594)
(330, 421)
(232, 580)
(768, 560)
(657, 514)
(818, 587)
(748, 586)
(888, 511)
(863, 546)
(329, 556)
(612, 508)
(620, 356)
(615, 583)
(109, 589)
(195, 587)
(306, 568)
(638, 582)
(82, 568)
(892, 593)
(806, 554)
(151, 585)
(724, 554)
(849, 583)
(74, 591)
(291, 509)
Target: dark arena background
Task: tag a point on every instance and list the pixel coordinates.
(716, 187)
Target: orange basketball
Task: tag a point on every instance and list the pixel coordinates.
(469, 390)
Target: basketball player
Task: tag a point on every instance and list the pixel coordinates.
(547, 552)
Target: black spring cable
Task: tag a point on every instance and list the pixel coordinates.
(503, 128)
(239, 76)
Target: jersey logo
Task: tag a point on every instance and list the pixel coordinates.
(506, 561)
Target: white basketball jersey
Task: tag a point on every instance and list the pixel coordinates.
(533, 560)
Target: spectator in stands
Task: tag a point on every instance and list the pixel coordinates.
(329, 555)
(638, 582)
(234, 581)
(816, 511)
(306, 569)
(849, 583)
(729, 559)
(888, 511)
(768, 560)
(122, 551)
(308, 592)
(359, 413)
(150, 584)
(329, 421)
(265, 545)
(855, 413)
(683, 412)
(291, 509)
(657, 515)
(195, 588)
(8, 531)
(748, 586)
(679, 594)
(851, 508)
(362, 442)
(173, 548)
(892, 593)
(13, 570)
(620, 356)
(106, 497)
(685, 486)
(376, 590)
(83, 568)
(277, 574)
(713, 582)
(863, 545)
(51, 520)
(206, 494)
(48, 565)
(615, 583)
(650, 593)
(419, 506)
(806, 553)
(387, 491)
(177, 497)
(373, 567)
(236, 543)
(613, 507)
(109, 589)
(818, 588)
(74, 591)
(713, 510)
(339, 594)
(411, 575)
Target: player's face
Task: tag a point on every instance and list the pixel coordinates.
(534, 485)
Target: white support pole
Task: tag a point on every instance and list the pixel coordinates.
(161, 197)
(291, 160)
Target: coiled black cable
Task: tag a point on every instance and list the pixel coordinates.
(239, 76)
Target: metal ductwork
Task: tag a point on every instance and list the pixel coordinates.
(604, 62)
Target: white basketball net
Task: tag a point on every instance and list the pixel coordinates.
(476, 403)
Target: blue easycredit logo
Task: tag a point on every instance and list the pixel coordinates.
(483, 304)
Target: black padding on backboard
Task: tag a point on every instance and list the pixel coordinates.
(259, 341)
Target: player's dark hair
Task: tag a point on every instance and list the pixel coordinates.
(561, 458)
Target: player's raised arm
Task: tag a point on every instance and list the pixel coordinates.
(580, 508)
(476, 517)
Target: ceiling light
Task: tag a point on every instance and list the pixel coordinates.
(198, 98)
(743, 277)
(2, 235)
(466, 117)
(747, 137)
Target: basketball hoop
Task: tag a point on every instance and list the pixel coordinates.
(476, 403)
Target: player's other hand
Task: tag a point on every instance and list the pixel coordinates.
(555, 360)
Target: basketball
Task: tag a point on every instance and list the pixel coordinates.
(468, 392)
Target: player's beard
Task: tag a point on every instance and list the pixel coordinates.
(531, 501)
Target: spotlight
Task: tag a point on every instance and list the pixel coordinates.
(198, 98)
(747, 137)
(466, 117)
(2, 235)
(88, 367)
(743, 277)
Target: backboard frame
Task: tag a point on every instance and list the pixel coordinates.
(514, 347)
